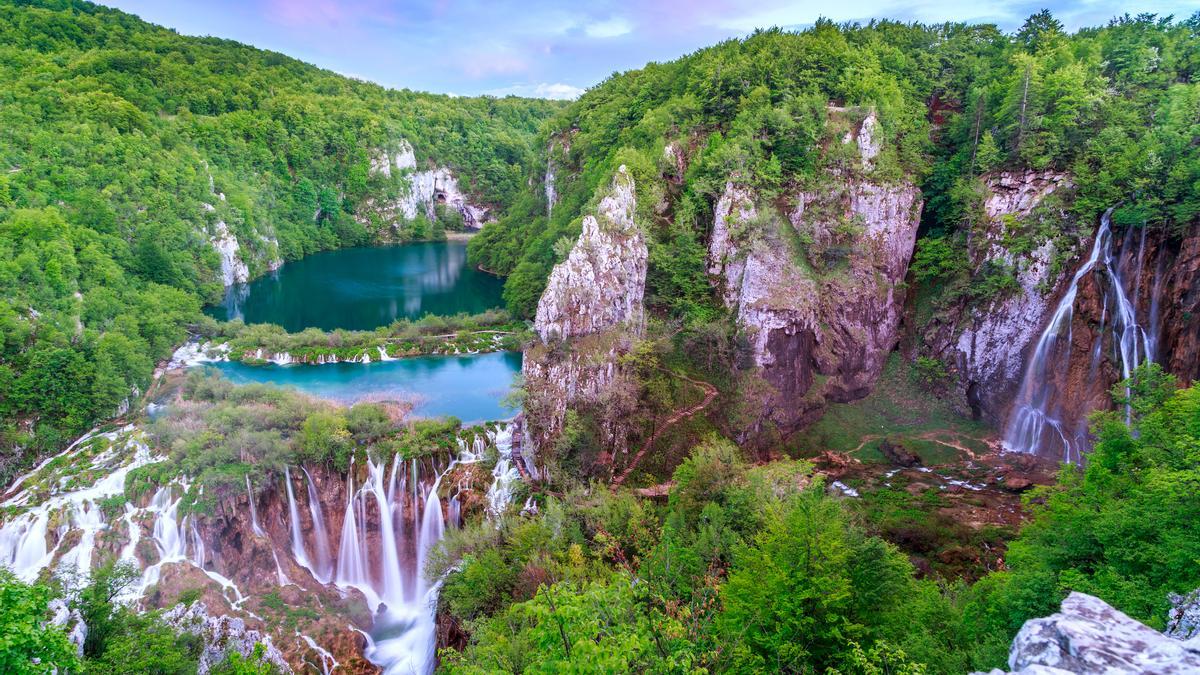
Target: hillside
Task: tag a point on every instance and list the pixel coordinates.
(854, 349)
(143, 170)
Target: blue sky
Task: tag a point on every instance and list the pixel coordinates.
(550, 48)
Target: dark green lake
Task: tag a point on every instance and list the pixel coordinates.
(467, 387)
(364, 288)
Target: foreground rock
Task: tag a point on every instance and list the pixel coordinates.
(222, 636)
(1090, 637)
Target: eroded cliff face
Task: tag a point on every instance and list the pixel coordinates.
(1174, 298)
(986, 346)
(421, 191)
(262, 250)
(1091, 303)
(587, 316)
(817, 294)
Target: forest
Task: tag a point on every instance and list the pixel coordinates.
(115, 135)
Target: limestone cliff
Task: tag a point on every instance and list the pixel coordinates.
(986, 345)
(236, 260)
(818, 294)
(417, 191)
(590, 310)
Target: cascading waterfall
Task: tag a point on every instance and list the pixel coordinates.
(253, 510)
(324, 564)
(23, 539)
(1036, 421)
(504, 475)
(298, 550)
(393, 582)
(404, 496)
(352, 567)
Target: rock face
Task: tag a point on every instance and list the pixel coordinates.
(421, 191)
(601, 283)
(1174, 300)
(233, 270)
(1090, 637)
(222, 635)
(986, 345)
(818, 294)
(590, 310)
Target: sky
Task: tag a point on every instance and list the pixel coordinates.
(547, 48)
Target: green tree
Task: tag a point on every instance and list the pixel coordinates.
(27, 643)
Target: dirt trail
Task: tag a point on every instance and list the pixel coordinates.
(936, 436)
(710, 393)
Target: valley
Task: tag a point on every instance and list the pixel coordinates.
(857, 348)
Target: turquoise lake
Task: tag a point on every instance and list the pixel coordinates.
(364, 288)
(467, 387)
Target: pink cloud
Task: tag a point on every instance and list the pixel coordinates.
(298, 13)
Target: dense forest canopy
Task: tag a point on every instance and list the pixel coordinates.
(122, 144)
(1118, 107)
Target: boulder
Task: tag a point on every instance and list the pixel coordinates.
(1089, 637)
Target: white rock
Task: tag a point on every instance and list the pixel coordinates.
(233, 269)
(602, 282)
(222, 635)
(1088, 637)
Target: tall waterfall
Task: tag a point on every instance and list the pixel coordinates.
(1036, 422)
(324, 570)
(298, 550)
(253, 510)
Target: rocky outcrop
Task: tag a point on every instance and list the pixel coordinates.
(601, 283)
(986, 345)
(1090, 637)
(235, 259)
(223, 635)
(233, 269)
(818, 294)
(587, 316)
(421, 191)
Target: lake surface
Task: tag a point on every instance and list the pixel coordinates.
(364, 288)
(467, 387)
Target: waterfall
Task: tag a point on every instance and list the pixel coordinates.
(23, 545)
(253, 510)
(393, 586)
(505, 474)
(298, 550)
(324, 565)
(352, 564)
(432, 528)
(1036, 421)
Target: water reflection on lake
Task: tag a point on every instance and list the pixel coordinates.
(364, 288)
